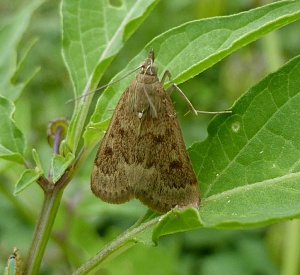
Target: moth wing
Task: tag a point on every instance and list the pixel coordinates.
(109, 180)
(167, 178)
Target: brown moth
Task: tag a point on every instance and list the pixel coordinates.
(142, 154)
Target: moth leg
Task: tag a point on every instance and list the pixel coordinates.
(181, 93)
(175, 87)
(166, 74)
(150, 103)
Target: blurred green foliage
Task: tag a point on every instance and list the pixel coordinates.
(82, 226)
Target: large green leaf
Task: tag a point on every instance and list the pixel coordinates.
(195, 46)
(11, 33)
(248, 168)
(93, 33)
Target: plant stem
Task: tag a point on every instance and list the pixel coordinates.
(52, 198)
(291, 249)
(117, 246)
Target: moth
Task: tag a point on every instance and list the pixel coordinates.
(142, 154)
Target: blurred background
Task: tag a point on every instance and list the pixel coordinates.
(85, 224)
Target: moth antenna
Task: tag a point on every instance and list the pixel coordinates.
(104, 86)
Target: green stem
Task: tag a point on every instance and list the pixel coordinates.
(291, 249)
(77, 122)
(117, 246)
(43, 229)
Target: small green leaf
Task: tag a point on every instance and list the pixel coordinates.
(59, 165)
(28, 177)
(12, 142)
(37, 160)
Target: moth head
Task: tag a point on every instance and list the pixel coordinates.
(148, 67)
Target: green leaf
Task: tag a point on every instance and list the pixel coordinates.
(177, 220)
(145, 235)
(249, 166)
(197, 45)
(28, 177)
(201, 44)
(93, 133)
(12, 142)
(37, 160)
(93, 33)
(59, 164)
(10, 35)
